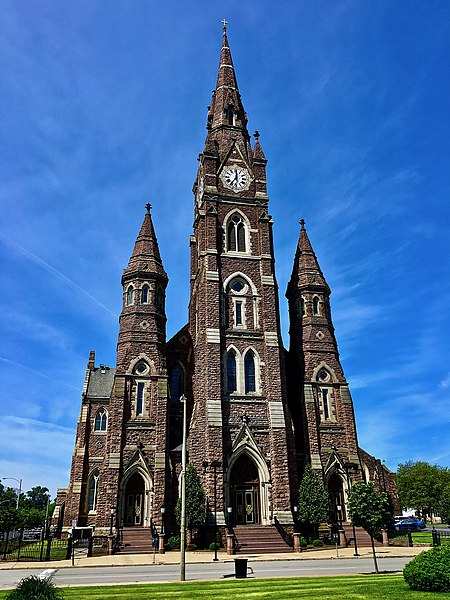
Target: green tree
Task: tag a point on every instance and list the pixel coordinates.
(369, 509)
(38, 497)
(313, 503)
(419, 485)
(444, 503)
(195, 501)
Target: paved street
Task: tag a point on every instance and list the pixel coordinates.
(201, 571)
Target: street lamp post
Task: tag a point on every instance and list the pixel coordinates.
(163, 510)
(215, 464)
(295, 509)
(111, 519)
(229, 512)
(183, 400)
(19, 481)
(347, 467)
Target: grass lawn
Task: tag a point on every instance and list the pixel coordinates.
(357, 587)
(425, 538)
(32, 551)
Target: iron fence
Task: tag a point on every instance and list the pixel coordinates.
(36, 546)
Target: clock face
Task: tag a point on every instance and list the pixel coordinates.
(236, 178)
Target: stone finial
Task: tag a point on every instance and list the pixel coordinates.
(148, 207)
(302, 223)
(256, 135)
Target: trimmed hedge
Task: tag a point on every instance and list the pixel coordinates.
(429, 571)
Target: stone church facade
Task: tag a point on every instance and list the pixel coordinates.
(255, 410)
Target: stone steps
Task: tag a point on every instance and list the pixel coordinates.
(136, 540)
(362, 537)
(260, 539)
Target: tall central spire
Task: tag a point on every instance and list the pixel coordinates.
(226, 110)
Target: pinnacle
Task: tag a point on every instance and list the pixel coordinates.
(306, 269)
(258, 153)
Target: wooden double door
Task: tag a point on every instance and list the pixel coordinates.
(246, 509)
(134, 501)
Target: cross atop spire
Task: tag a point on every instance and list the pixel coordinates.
(148, 206)
(224, 23)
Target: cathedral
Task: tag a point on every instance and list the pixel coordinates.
(256, 412)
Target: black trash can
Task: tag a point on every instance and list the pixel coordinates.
(240, 568)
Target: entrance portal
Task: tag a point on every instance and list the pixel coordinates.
(336, 492)
(244, 482)
(134, 501)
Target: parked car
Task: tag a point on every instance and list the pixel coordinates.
(410, 523)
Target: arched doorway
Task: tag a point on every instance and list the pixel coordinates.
(134, 501)
(244, 481)
(336, 491)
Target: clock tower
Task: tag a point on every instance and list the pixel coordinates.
(240, 418)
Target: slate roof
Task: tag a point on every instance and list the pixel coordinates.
(100, 383)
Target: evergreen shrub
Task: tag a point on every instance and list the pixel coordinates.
(429, 571)
(173, 543)
(34, 588)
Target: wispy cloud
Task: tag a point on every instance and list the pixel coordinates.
(445, 383)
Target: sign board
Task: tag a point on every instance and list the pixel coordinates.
(81, 533)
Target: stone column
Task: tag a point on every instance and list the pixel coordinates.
(230, 543)
(297, 544)
(161, 548)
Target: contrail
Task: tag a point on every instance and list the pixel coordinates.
(17, 364)
(54, 271)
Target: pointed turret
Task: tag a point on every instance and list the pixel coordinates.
(145, 257)
(143, 318)
(306, 272)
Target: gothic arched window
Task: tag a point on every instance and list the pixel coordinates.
(159, 298)
(316, 305)
(177, 383)
(92, 490)
(250, 374)
(302, 307)
(101, 419)
(230, 115)
(326, 404)
(144, 294)
(140, 398)
(130, 295)
(231, 372)
(236, 234)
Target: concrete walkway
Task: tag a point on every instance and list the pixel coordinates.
(117, 560)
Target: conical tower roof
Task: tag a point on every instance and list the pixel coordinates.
(146, 257)
(226, 95)
(306, 271)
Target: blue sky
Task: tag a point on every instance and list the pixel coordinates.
(103, 108)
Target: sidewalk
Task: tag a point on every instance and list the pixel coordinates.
(118, 560)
